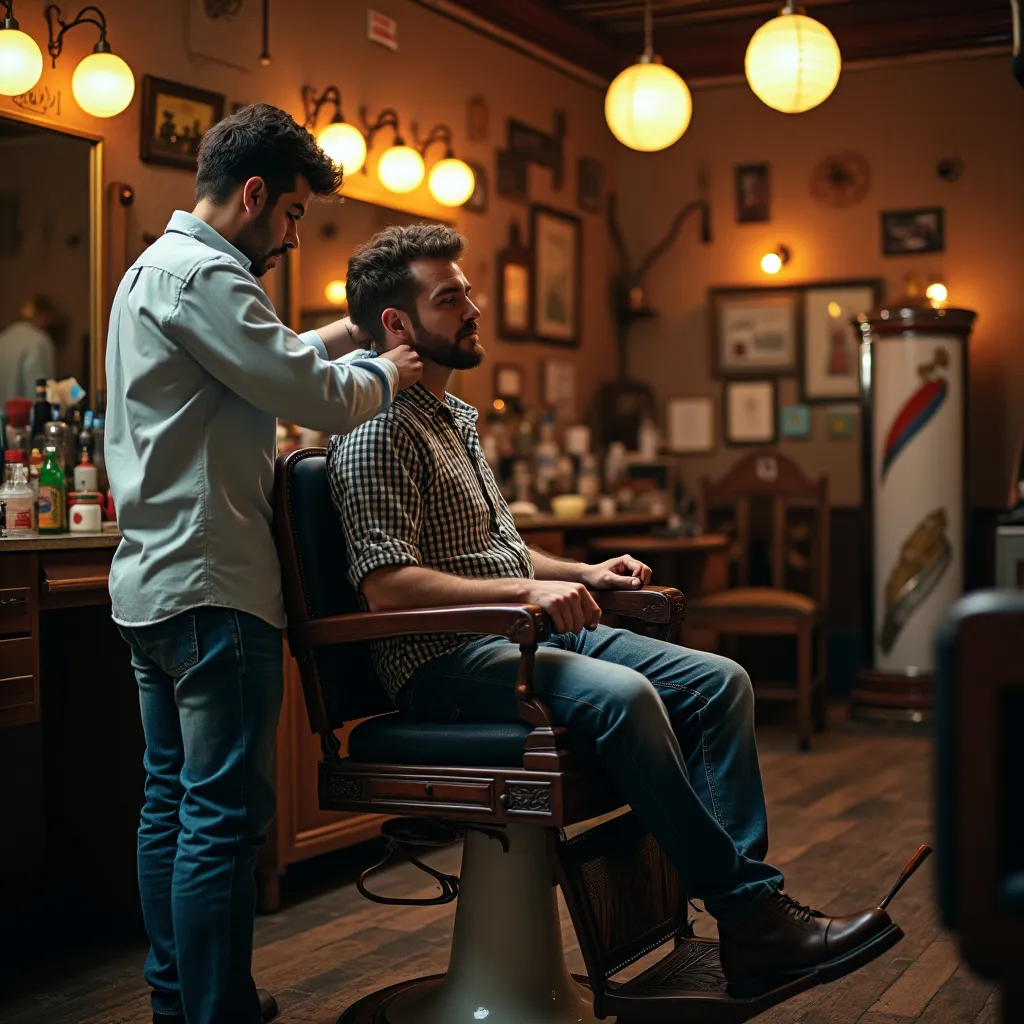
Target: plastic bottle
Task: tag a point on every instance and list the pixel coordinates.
(86, 478)
(18, 496)
(52, 517)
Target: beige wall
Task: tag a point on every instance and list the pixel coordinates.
(438, 66)
(903, 119)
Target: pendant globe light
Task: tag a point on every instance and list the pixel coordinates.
(648, 106)
(792, 62)
(21, 60)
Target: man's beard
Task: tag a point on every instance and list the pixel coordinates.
(253, 242)
(444, 351)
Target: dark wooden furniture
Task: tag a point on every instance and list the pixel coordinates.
(979, 711)
(797, 545)
(509, 789)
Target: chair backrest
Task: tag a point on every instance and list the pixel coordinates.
(799, 535)
(979, 717)
(339, 683)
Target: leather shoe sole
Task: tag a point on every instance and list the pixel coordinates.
(830, 970)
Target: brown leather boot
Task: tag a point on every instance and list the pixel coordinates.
(785, 940)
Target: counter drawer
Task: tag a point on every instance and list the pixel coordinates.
(19, 689)
(15, 611)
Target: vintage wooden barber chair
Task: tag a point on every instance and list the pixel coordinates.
(509, 790)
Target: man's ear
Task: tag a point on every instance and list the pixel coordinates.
(396, 323)
(254, 195)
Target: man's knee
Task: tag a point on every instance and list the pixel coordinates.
(632, 699)
(733, 691)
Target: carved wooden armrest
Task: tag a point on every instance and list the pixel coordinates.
(520, 623)
(662, 605)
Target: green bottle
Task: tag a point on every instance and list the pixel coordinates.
(52, 506)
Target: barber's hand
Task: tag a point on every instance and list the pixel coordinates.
(622, 573)
(569, 604)
(410, 366)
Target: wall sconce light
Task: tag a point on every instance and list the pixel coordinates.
(937, 293)
(773, 262)
(400, 167)
(342, 142)
(451, 181)
(21, 60)
(336, 293)
(103, 84)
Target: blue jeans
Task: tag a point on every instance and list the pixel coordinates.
(673, 727)
(210, 686)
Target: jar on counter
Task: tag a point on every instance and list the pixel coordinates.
(85, 512)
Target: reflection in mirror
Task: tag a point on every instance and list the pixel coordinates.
(45, 252)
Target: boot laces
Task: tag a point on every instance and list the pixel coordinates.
(798, 910)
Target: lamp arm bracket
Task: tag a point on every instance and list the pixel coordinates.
(313, 103)
(670, 238)
(56, 40)
(439, 133)
(388, 118)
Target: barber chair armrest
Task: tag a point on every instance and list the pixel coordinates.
(661, 605)
(521, 623)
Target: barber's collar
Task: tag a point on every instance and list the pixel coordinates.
(186, 224)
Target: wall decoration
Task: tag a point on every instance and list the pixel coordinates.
(795, 422)
(840, 423)
(754, 331)
(911, 232)
(749, 412)
(477, 202)
(753, 204)
(831, 367)
(536, 147)
(508, 382)
(515, 291)
(174, 118)
(589, 184)
(918, 408)
(690, 424)
(478, 119)
(558, 387)
(556, 241)
(512, 178)
(841, 180)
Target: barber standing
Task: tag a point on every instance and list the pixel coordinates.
(198, 369)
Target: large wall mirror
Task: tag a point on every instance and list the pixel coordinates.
(50, 265)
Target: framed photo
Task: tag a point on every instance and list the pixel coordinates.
(589, 181)
(750, 412)
(831, 343)
(175, 117)
(515, 289)
(557, 281)
(911, 232)
(795, 422)
(840, 423)
(754, 331)
(558, 387)
(753, 202)
(690, 424)
(477, 202)
(508, 382)
(512, 176)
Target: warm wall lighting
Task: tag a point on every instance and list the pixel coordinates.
(792, 62)
(451, 180)
(773, 262)
(648, 106)
(103, 84)
(344, 143)
(21, 60)
(937, 294)
(336, 293)
(400, 167)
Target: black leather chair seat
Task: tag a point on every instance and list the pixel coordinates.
(399, 739)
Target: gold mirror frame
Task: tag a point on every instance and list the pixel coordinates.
(97, 313)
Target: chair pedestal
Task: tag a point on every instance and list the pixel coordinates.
(507, 964)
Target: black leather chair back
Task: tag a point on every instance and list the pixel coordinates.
(339, 682)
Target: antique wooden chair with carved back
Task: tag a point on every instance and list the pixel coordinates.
(798, 545)
(510, 790)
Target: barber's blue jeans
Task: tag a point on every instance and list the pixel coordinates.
(210, 685)
(674, 728)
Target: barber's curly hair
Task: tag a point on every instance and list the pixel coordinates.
(379, 275)
(261, 141)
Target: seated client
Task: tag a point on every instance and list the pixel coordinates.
(426, 525)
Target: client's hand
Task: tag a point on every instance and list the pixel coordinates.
(622, 573)
(569, 604)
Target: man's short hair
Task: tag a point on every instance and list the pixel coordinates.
(261, 141)
(379, 273)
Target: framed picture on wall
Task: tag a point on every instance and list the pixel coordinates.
(750, 412)
(752, 198)
(754, 331)
(690, 424)
(910, 232)
(557, 280)
(831, 342)
(175, 117)
(515, 291)
(477, 202)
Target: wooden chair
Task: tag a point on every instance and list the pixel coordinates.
(509, 790)
(795, 603)
(979, 720)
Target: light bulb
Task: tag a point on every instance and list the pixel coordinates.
(21, 62)
(344, 144)
(451, 181)
(400, 169)
(336, 293)
(835, 310)
(937, 293)
(792, 63)
(103, 84)
(647, 106)
(771, 262)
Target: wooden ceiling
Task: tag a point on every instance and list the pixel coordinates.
(704, 39)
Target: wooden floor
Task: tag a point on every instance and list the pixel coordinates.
(844, 819)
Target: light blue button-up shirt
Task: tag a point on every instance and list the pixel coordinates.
(199, 367)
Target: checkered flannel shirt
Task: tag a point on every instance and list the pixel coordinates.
(412, 487)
